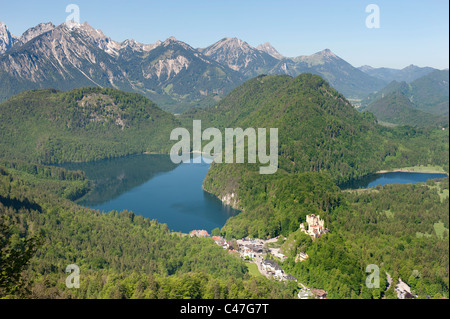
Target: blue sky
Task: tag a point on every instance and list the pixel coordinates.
(411, 32)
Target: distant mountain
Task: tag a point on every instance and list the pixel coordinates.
(7, 40)
(176, 76)
(269, 49)
(396, 108)
(341, 75)
(407, 74)
(238, 55)
(64, 57)
(171, 73)
(429, 93)
(32, 33)
(68, 56)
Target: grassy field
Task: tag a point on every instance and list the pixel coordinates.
(252, 269)
(439, 228)
(418, 169)
(443, 193)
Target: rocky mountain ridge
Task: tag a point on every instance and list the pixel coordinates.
(171, 72)
(7, 40)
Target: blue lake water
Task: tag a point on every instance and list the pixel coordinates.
(154, 187)
(391, 178)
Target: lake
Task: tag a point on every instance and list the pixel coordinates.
(154, 187)
(390, 178)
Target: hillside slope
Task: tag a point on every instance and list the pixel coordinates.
(396, 108)
(318, 129)
(323, 141)
(120, 255)
(341, 75)
(429, 93)
(85, 124)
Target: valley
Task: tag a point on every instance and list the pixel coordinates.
(270, 205)
(106, 151)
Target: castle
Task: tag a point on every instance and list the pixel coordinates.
(315, 226)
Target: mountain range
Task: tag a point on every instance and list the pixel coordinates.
(171, 73)
(407, 74)
(423, 101)
(397, 108)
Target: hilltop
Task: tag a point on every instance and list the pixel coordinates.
(428, 93)
(396, 108)
(323, 141)
(84, 124)
(319, 130)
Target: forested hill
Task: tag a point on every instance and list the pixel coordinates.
(429, 93)
(323, 141)
(84, 124)
(396, 108)
(120, 255)
(319, 130)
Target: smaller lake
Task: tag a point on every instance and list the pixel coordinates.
(154, 187)
(391, 178)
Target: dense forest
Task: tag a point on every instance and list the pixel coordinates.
(323, 141)
(319, 130)
(272, 204)
(401, 228)
(306, 181)
(120, 255)
(320, 134)
(50, 126)
(404, 229)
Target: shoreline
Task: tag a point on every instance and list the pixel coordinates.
(414, 170)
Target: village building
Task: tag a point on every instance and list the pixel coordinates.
(316, 226)
(305, 294)
(254, 249)
(403, 290)
(220, 241)
(199, 233)
(271, 267)
(280, 256)
(250, 250)
(319, 293)
(301, 257)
